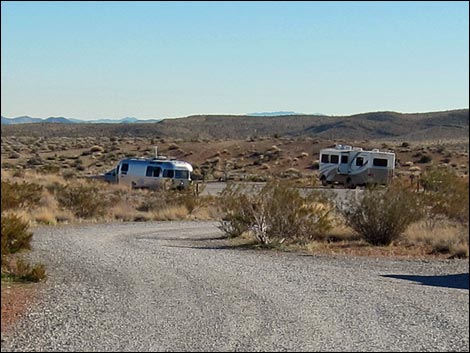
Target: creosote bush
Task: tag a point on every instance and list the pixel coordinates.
(380, 216)
(84, 199)
(20, 195)
(446, 194)
(15, 234)
(278, 211)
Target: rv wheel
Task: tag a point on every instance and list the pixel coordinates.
(350, 184)
(323, 180)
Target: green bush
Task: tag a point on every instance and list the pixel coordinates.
(84, 199)
(381, 216)
(15, 234)
(20, 195)
(446, 194)
(425, 159)
(276, 212)
(235, 205)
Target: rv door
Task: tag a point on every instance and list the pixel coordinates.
(343, 167)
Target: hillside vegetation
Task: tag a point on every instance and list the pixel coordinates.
(376, 125)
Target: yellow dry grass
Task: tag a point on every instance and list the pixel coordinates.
(443, 237)
(171, 213)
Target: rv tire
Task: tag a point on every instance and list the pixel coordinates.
(350, 184)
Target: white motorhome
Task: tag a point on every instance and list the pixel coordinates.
(148, 173)
(353, 166)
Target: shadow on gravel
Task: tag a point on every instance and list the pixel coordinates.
(459, 281)
(244, 246)
(184, 239)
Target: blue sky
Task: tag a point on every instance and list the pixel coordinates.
(92, 60)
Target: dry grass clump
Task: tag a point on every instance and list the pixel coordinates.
(446, 194)
(170, 213)
(445, 237)
(44, 215)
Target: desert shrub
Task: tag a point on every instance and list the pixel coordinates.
(96, 148)
(166, 198)
(20, 195)
(425, 159)
(84, 199)
(446, 194)
(276, 212)
(235, 205)
(49, 169)
(15, 234)
(381, 216)
(23, 271)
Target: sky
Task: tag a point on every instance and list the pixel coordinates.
(153, 60)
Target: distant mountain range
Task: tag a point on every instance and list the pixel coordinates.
(62, 120)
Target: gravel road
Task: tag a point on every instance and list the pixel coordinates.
(177, 286)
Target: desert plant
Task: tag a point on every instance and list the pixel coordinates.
(15, 234)
(381, 216)
(276, 212)
(20, 195)
(425, 159)
(235, 206)
(23, 271)
(84, 199)
(446, 194)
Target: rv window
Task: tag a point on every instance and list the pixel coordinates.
(380, 162)
(168, 173)
(181, 174)
(153, 171)
(124, 168)
(325, 158)
(359, 161)
(344, 159)
(334, 159)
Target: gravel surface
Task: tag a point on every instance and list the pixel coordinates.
(176, 286)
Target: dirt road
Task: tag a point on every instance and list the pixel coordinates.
(179, 286)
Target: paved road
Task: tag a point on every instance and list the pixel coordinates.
(338, 194)
(177, 286)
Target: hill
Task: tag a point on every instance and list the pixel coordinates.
(452, 124)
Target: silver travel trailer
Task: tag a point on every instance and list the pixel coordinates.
(150, 173)
(352, 166)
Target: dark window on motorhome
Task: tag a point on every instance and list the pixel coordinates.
(181, 174)
(168, 173)
(124, 168)
(334, 159)
(344, 159)
(359, 161)
(153, 171)
(325, 158)
(380, 162)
